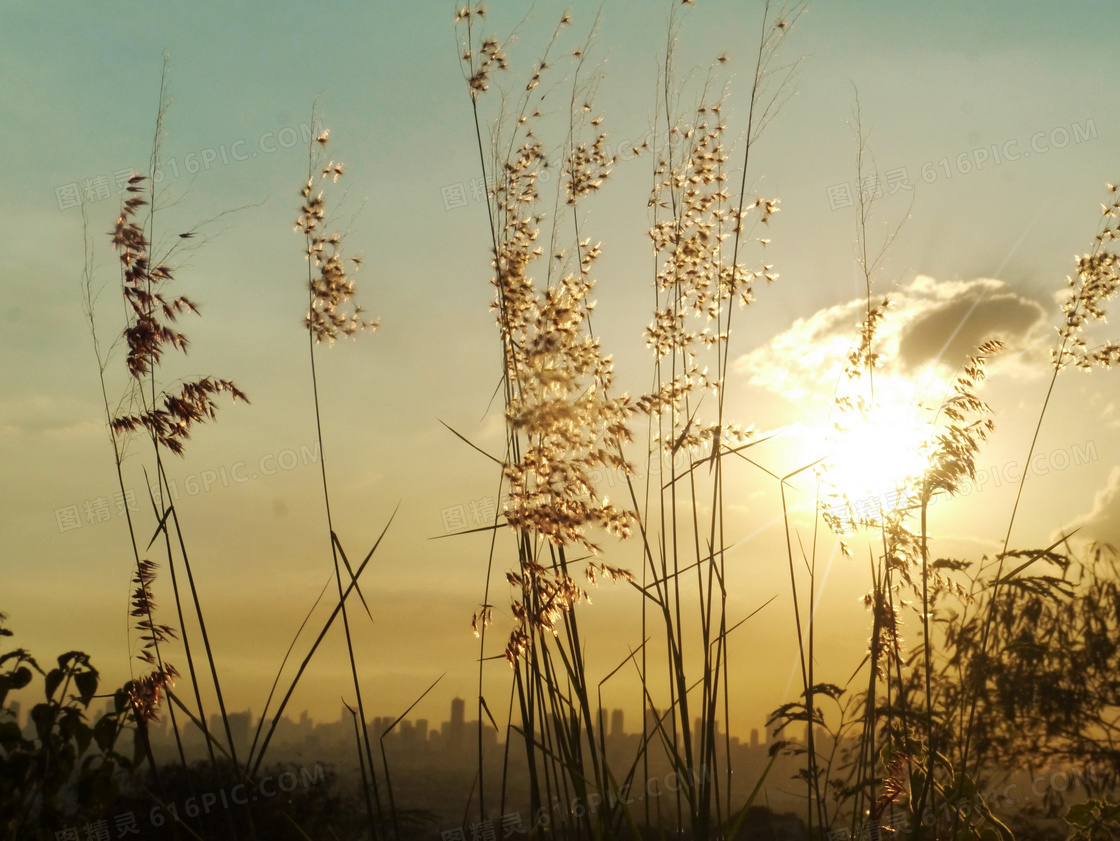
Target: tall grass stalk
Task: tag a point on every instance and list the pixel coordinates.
(1097, 281)
(167, 417)
(919, 716)
(556, 388)
(330, 314)
(697, 283)
(560, 426)
(918, 721)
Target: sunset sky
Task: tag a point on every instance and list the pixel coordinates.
(993, 126)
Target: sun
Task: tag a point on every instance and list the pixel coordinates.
(876, 457)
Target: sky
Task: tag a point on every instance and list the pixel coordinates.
(992, 126)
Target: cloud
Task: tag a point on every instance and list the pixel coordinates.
(33, 414)
(1102, 522)
(930, 327)
(949, 332)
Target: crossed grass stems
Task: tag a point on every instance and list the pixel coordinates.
(563, 424)
(167, 415)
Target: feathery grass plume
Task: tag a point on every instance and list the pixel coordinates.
(556, 374)
(891, 565)
(332, 311)
(934, 710)
(906, 727)
(1096, 282)
(700, 228)
(152, 316)
(140, 696)
(955, 448)
(168, 415)
(562, 423)
(560, 406)
(143, 605)
(147, 692)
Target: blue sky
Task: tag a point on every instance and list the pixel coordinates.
(1000, 116)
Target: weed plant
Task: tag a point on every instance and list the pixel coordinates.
(1015, 656)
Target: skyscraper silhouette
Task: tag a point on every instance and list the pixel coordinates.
(457, 731)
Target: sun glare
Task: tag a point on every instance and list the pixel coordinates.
(876, 457)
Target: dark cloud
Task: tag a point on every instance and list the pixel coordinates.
(949, 331)
(928, 322)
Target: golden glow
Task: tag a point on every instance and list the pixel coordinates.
(882, 452)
